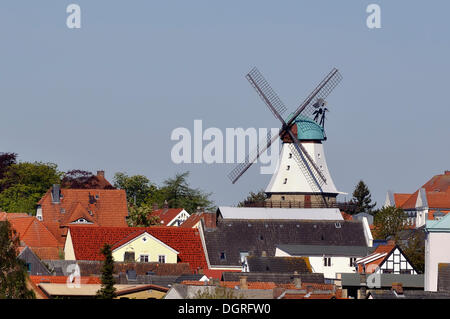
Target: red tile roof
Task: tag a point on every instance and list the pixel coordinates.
(208, 218)
(166, 215)
(36, 236)
(380, 254)
(437, 191)
(215, 273)
(102, 207)
(88, 241)
(346, 216)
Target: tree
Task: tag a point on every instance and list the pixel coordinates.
(107, 291)
(6, 160)
(388, 222)
(414, 249)
(260, 196)
(79, 179)
(137, 187)
(23, 184)
(217, 292)
(362, 199)
(177, 192)
(141, 216)
(13, 273)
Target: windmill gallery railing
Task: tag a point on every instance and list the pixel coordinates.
(343, 206)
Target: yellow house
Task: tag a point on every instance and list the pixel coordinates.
(144, 248)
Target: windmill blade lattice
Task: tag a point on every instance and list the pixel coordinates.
(314, 181)
(266, 93)
(252, 157)
(324, 89)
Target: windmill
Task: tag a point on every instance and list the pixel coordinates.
(302, 133)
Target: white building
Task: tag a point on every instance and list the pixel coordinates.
(329, 260)
(437, 249)
(291, 180)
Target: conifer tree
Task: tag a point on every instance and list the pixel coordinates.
(362, 199)
(107, 291)
(13, 273)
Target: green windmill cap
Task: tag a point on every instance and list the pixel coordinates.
(307, 128)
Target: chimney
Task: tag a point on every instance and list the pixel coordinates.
(166, 205)
(101, 174)
(243, 282)
(56, 194)
(397, 287)
(297, 280)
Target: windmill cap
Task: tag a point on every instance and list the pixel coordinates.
(308, 129)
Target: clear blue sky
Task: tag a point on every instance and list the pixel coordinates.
(107, 96)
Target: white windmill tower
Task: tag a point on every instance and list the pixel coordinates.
(302, 175)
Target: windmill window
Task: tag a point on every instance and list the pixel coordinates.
(285, 181)
(318, 155)
(290, 155)
(288, 167)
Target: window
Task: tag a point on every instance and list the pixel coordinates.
(404, 271)
(352, 261)
(285, 181)
(162, 259)
(28, 265)
(288, 167)
(283, 198)
(290, 155)
(222, 255)
(327, 261)
(129, 256)
(143, 259)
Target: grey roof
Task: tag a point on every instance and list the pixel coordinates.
(278, 264)
(232, 236)
(264, 213)
(386, 280)
(319, 250)
(408, 294)
(278, 278)
(443, 277)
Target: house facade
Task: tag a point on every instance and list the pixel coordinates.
(437, 242)
(430, 202)
(329, 260)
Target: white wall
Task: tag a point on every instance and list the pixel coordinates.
(340, 264)
(437, 250)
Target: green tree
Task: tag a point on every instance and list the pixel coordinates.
(254, 197)
(137, 187)
(24, 184)
(13, 273)
(414, 249)
(217, 292)
(389, 222)
(362, 199)
(177, 192)
(107, 291)
(141, 216)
